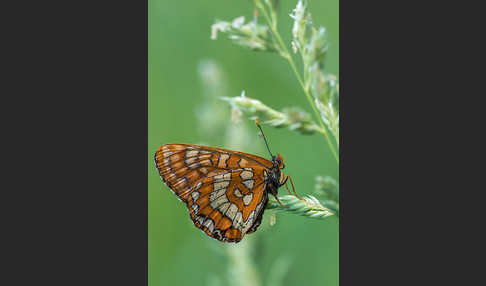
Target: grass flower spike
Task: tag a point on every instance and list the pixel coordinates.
(316, 49)
(252, 35)
(292, 118)
(328, 188)
(300, 25)
(309, 206)
(325, 91)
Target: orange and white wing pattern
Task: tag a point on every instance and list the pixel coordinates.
(224, 190)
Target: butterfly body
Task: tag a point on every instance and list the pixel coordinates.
(225, 191)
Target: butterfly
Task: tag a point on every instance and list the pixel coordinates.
(225, 191)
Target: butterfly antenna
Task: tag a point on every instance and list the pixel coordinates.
(263, 135)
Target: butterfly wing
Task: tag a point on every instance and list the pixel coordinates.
(224, 190)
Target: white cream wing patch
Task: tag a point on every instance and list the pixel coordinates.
(247, 199)
(231, 212)
(249, 184)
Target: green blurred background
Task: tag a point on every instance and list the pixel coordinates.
(178, 40)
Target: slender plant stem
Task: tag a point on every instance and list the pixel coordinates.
(299, 78)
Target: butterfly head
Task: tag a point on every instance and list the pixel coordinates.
(278, 161)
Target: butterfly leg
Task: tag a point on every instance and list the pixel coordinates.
(293, 189)
(284, 183)
(274, 193)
